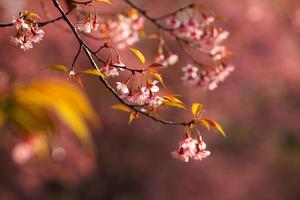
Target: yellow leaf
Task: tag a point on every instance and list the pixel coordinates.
(121, 107)
(138, 54)
(215, 125)
(33, 14)
(59, 68)
(43, 98)
(104, 1)
(156, 75)
(197, 108)
(174, 104)
(92, 72)
(172, 98)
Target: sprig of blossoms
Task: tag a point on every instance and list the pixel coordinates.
(28, 31)
(204, 36)
(190, 148)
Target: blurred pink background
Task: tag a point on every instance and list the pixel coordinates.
(258, 106)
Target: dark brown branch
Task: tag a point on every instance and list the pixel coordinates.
(89, 52)
(41, 24)
(174, 12)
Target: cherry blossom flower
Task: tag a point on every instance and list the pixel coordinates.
(209, 79)
(201, 153)
(155, 101)
(153, 87)
(173, 22)
(27, 32)
(187, 149)
(190, 148)
(171, 60)
(110, 71)
(190, 75)
(89, 24)
(122, 88)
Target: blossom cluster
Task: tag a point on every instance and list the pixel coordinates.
(190, 148)
(126, 30)
(209, 78)
(201, 34)
(28, 31)
(145, 95)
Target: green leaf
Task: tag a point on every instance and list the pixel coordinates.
(138, 54)
(92, 71)
(59, 68)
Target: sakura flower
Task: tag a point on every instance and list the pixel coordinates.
(27, 32)
(155, 101)
(20, 23)
(22, 43)
(201, 153)
(190, 148)
(90, 24)
(206, 20)
(173, 22)
(153, 87)
(187, 149)
(122, 88)
(110, 71)
(210, 79)
(140, 97)
(171, 60)
(190, 75)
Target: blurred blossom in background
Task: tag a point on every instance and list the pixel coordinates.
(258, 106)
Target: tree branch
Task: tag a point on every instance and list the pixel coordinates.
(89, 53)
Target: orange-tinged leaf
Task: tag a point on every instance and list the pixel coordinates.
(104, 1)
(59, 68)
(215, 125)
(173, 104)
(121, 107)
(157, 76)
(46, 97)
(197, 108)
(33, 14)
(138, 54)
(172, 98)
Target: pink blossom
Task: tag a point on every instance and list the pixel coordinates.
(155, 101)
(173, 22)
(89, 24)
(187, 149)
(153, 87)
(110, 71)
(122, 88)
(190, 75)
(190, 148)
